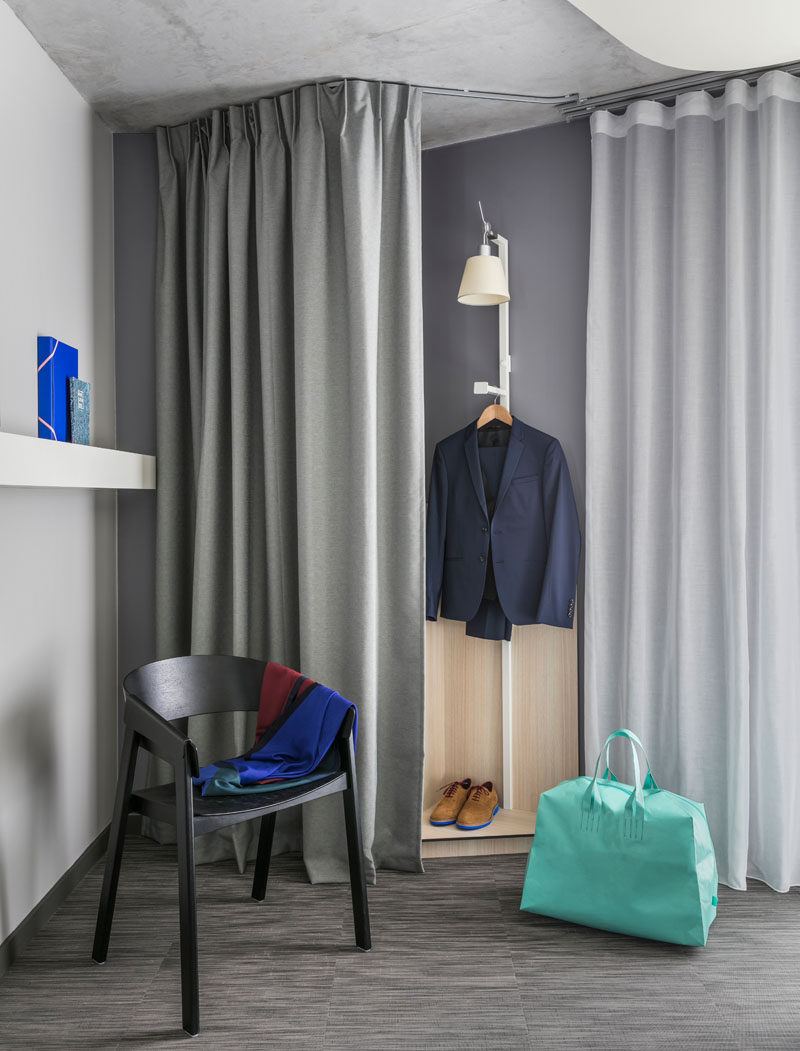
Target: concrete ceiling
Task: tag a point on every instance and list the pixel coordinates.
(140, 63)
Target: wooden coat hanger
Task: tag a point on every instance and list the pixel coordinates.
(495, 412)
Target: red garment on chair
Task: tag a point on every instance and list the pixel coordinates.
(276, 687)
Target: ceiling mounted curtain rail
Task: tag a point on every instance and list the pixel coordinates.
(573, 106)
(491, 96)
(501, 96)
(666, 90)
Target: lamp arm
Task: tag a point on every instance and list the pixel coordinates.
(488, 232)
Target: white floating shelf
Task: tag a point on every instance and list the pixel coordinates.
(34, 462)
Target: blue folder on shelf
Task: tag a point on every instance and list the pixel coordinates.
(57, 362)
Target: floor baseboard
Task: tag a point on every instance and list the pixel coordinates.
(14, 945)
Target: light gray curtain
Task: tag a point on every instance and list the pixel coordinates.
(693, 458)
(290, 428)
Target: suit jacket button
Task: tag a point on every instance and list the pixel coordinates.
(484, 529)
(482, 558)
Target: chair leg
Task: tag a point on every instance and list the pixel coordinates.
(355, 854)
(116, 842)
(261, 873)
(190, 984)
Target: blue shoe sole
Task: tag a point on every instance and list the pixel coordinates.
(473, 828)
(443, 822)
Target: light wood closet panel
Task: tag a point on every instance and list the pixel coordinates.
(545, 685)
(463, 710)
(464, 726)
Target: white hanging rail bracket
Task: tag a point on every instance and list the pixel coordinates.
(482, 387)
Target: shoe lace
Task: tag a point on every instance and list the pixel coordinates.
(450, 790)
(477, 790)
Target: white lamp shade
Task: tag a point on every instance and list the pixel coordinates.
(484, 283)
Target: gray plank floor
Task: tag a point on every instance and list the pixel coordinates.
(455, 966)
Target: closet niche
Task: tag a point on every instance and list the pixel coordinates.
(500, 711)
(497, 711)
(464, 727)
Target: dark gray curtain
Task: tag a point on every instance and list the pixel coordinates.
(290, 444)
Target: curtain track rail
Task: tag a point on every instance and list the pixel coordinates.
(666, 90)
(573, 106)
(501, 96)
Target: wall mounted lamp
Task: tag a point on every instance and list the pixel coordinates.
(484, 283)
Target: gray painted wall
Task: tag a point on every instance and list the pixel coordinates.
(135, 216)
(535, 187)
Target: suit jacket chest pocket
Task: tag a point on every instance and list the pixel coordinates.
(525, 507)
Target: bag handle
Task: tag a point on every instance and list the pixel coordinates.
(608, 773)
(634, 808)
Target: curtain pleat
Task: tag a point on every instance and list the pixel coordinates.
(290, 444)
(693, 458)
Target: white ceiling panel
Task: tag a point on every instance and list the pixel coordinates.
(710, 34)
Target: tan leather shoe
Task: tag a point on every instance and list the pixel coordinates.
(479, 807)
(446, 810)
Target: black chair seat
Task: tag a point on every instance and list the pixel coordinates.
(159, 699)
(213, 812)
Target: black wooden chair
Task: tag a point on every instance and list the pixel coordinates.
(159, 698)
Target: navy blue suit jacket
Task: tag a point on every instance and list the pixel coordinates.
(534, 532)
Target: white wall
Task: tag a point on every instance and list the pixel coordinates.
(58, 690)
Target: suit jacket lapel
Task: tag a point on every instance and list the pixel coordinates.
(513, 453)
(471, 452)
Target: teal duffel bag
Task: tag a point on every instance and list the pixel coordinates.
(632, 859)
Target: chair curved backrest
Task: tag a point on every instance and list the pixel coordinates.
(178, 687)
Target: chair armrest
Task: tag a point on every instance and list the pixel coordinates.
(160, 737)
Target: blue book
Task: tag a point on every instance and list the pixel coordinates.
(79, 393)
(57, 362)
